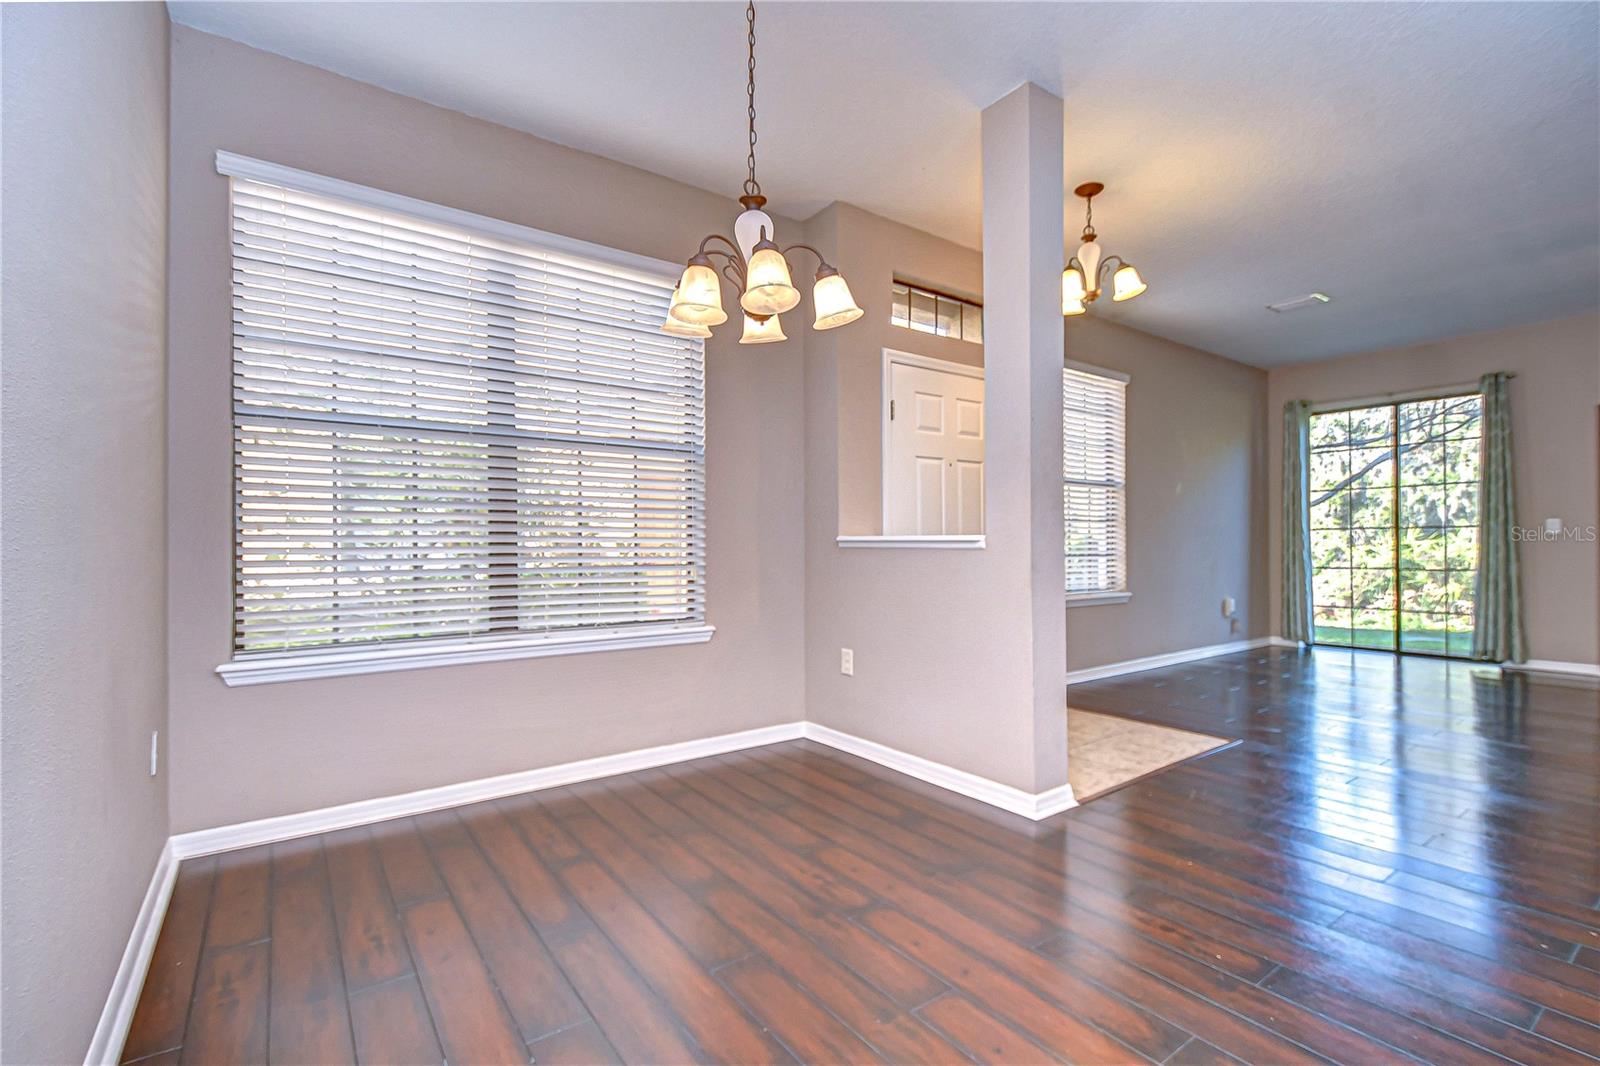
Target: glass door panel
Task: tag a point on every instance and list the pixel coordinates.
(1352, 527)
(1438, 532)
(1394, 513)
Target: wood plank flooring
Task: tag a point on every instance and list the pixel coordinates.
(1397, 863)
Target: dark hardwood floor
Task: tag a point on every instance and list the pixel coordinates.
(1398, 862)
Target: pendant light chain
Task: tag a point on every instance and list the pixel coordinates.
(751, 186)
(753, 260)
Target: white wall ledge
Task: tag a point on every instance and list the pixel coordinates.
(1094, 599)
(954, 540)
(1552, 666)
(302, 666)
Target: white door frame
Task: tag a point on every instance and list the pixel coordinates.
(892, 356)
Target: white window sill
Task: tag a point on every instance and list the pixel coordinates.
(265, 669)
(1096, 599)
(955, 540)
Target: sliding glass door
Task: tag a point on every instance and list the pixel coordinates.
(1394, 525)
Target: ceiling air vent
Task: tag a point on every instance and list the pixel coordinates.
(1300, 303)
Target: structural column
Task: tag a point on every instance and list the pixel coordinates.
(1022, 263)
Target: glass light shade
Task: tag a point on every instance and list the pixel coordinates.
(1073, 307)
(683, 329)
(1089, 259)
(767, 288)
(1072, 290)
(747, 231)
(698, 300)
(757, 331)
(835, 306)
(1126, 284)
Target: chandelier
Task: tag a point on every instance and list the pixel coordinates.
(1081, 281)
(752, 260)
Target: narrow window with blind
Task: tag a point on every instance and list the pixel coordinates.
(1095, 487)
(454, 439)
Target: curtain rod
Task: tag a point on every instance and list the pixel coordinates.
(1435, 392)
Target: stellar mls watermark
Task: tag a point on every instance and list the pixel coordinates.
(1552, 531)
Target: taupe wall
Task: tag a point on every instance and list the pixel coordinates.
(1196, 450)
(84, 220)
(1196, 505)
(247, 753)
(1553, 426)
(939, 656)
(879, 251)
(1196, 440)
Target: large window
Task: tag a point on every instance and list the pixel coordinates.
(1394, 524)
(451, 433)
(1095, 486)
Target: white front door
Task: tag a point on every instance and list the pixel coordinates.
(933, 469)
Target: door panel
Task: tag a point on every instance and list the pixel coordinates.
(1393, 510)
(1438, 522)
(1352, 517)
(969, 418)
(930, 494)
(969, 495)
(933, 472)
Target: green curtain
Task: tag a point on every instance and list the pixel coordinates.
(1497, 594)
(1296, 520)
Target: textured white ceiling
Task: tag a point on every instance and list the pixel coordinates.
(1433, 167)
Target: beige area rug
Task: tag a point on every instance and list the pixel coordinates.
(1106, 752)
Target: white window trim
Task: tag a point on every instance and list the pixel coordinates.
(928, 540)
(243, 166)
(306, 664)
(1124, 594)
(263, 669)
(1097, 371)
(1097, 599)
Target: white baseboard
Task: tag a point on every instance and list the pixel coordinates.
(1035, 805)
(1173, 658)
(1531, 666)
(364, 812)
(117, 1015)
(112, 1031)
(1553, 666)
(115, 1018)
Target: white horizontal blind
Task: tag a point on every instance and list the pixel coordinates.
(1094, 438)
(440, 433)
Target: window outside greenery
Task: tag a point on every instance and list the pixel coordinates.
(1394, 551)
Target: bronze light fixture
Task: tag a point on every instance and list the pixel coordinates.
(1081, 281)
(752, 260)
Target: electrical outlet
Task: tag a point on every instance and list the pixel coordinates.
(1227, 607)
(155, 751)
(847, 662)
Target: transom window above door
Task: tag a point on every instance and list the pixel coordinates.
(940, 314)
